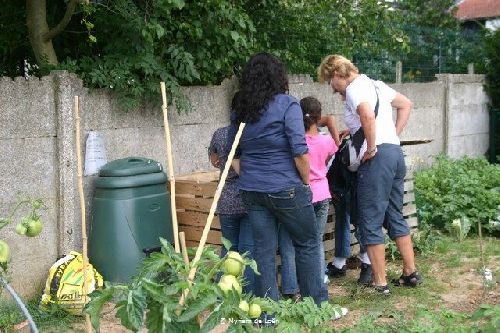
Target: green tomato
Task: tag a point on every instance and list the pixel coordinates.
(4, 252)
(233, 264)
(37, 204)
(21, 229)
(34, 227)
(244, 306)
(254, 311)
(228, 282)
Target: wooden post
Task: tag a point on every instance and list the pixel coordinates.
(210, 217)
(168, 143)
(88, 325)
(399, 72)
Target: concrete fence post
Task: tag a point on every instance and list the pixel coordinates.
(470, 68)
(447, 81)
(65, 88)
(399, 72)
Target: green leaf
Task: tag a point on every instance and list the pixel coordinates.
(226, 243)
(158, 318)
(155, 290)
(131, 310)
(97, 301)
(235, 35)
(197, 307)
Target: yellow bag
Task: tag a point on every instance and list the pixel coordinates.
(64, 285)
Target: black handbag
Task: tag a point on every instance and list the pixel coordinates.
(353, 148)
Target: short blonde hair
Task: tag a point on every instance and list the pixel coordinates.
(335, 64)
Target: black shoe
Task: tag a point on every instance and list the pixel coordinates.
(365, 276)
(384, 290)
(335, 272)
(297, 297)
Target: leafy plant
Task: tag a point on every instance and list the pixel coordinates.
(152, 298)
(137, 44)
(467, 188)
(492, 65)
(459, 228)
(425, 239)
(391, 250)
(30, 225)
(490, 313)
(303, 316)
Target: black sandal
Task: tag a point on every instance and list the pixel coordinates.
(412, 280)
(384, 290)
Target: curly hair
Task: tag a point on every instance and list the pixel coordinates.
(311, 110)
(263, 77)
(335, 64)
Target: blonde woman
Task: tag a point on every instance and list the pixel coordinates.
(382, 172)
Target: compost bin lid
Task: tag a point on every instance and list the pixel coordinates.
(130, 166)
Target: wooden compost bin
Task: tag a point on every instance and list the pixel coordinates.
(194, 196)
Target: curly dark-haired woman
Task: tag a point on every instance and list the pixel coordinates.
(274, 175)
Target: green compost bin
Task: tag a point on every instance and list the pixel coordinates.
(130, 212)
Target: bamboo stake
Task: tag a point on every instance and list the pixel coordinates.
(182, 238)
(170, 168)
(88, 325)
(210, 217)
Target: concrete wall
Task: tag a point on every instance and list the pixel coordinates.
(38, 156)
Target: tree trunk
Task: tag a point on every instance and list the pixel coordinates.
(38, 27)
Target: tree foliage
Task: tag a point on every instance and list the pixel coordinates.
(301, 33)
(139, 43)
(491, 47)
(438, 43)
(128, 46)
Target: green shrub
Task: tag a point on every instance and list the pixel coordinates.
(454, 189)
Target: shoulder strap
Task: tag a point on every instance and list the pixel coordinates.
(376, 105)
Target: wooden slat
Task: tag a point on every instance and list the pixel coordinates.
(196, 204)
(201, 176)
(194, 234)
(329, 245)
(206, 189)
(409, 209)
(329, 227)
(412, 222)
(408, 186)
(409, 197)
(197, 219)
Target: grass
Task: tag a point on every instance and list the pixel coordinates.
(55, 320)
(452, 291)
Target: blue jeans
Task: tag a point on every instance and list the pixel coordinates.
(237, 229)
(289, 283)
(345, 214)
(380, 195)
(293, 209)
(321, 211)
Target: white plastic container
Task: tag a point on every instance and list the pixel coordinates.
(95, 153)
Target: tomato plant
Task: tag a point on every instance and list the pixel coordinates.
(151, 300)
(30, 225)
